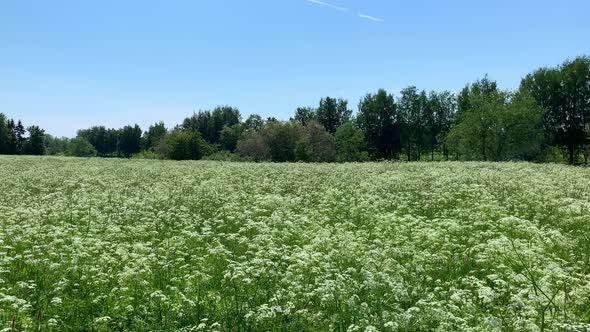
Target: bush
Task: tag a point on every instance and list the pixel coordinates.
(184, 145)
(80, 147)
(551, 154)
(253, 147)
(315, 144)
(350, 143)
(281, 139)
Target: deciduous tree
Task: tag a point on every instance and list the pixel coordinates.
(379, 120)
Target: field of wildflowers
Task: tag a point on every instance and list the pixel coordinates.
(136, 245)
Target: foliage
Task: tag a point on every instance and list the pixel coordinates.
(105, 141)
(304, 115)
(379, 120)
(210, 123)
(5, 135)
(184, 145)
(140, 245)
(564, 93)
(497, 125)
(254, 122)
(35, 143)
(332, 113)
(56, 146)
(442, 106)
(550, 111)
(14, 139)
(281, 138)
(80, 147)
(414, 116)
(229, 137)
(350, 143)
(130, 140)
(315, 144)
(152, 137)
(253, 146)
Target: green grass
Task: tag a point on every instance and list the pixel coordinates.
(147, 245)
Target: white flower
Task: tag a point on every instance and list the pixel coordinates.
(56, 301)
(101, 320)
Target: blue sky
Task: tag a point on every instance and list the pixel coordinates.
(66, 65)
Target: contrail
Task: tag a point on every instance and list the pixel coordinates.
(368, 17)
(317, 2)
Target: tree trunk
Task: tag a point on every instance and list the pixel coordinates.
(571, 154)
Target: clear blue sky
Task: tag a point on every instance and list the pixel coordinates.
(66, 65)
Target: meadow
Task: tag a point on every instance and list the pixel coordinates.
(141, 245)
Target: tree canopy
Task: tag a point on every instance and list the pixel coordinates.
(546, 119)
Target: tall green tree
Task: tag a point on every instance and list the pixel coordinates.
(521, 135)
(498, 125)
(379, 120)
(225, 116)
(254, 122)
(55, 145)
(415, 115)
(153, 135)
(229, 137)
(564, 93)
(332, 113)
(130, 140)
(201, 122)
(5, 135)
(443, 106)
(304, 115)
(465, 98)
(476, 121)
(19, 134)
(104, 140)
(35, 144)
(478, 105)
(210, 123)
(12, 139)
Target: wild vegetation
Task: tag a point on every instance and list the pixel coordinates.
(546, 120)
(140, 245)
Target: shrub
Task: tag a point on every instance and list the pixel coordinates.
(184, 145)
(253, 146)
(80, 147)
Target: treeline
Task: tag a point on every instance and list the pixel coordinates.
(16, 139)
(546, 119)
